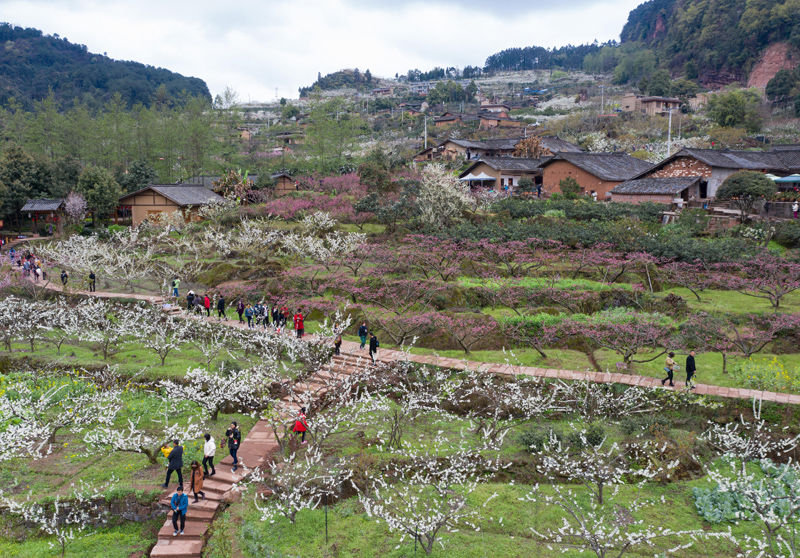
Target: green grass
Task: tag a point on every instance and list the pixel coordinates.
(353, 534)
(121, 541)
(72, 461)
(733, 302)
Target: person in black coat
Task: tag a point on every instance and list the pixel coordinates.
(234, 437)
(221, 308)
(373, 346)
(691, 368)
(175, 463)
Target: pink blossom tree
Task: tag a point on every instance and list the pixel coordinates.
(626, 335)
(467, 330)
(765, 276)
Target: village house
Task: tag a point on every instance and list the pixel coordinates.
(284, 183)
(649, 105)
(490, 120)
(713, 166)
(453, 149)
(596, 173)
(451, 118)
(498, 109)
(47, 212)
(155, 200)
(502, 173)
(677, 191)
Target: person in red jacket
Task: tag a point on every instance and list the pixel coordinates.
(207, 304)
(298, 323)
(300, 426)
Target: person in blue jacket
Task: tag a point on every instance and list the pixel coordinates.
(179, 504)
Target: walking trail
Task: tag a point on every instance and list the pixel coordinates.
(260, 445)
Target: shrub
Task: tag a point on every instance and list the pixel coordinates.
(769, 375)
(787, 233)
(570, 188)
(555, 213)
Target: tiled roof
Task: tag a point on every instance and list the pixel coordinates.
(507, 164)
(605, 166)
(552, 143)
(182, 194)
(669, 186)
(43, 204)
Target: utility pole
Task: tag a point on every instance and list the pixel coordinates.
(669, 134)
(426, 132)
(602, 99)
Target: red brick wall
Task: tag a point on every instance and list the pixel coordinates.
(556, 171)
(682, 166)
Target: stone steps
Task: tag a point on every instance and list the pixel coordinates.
(177, 547)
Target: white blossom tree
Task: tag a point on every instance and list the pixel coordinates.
(136, 438)
(425, 495)
(770, 497)
(606, 531)
(746, 440)
(213, 391)
(64, 519)
(301, 481)
(598, 464)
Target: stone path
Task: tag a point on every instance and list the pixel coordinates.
(256, 450)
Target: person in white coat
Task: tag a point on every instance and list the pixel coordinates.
(209, 450)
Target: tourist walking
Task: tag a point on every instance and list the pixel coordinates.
(669, 368)
(300, 425)
(337, 344)
(298, 324)
(373, 346)
(64, 277)
(221, 308)
(690, 370)
(196, 481)
(362, 334)
(234, 438)
(795, 208)
(175, 284)
(209, 451)
(248, 313)
(92, 281)
(207, 304)
(285, 314)
(240, 310)
(175, 457)
(180, 505)
(189, 300)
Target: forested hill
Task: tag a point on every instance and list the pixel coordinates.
(32, 64)
(718, 36)
(534, 57)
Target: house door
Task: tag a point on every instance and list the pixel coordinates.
(703, 189)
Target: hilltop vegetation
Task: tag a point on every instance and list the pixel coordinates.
(33, 64)
(712, 35)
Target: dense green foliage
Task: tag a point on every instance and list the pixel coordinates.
(336, 80)
(34, 64)
(535, 57)
(723, 36)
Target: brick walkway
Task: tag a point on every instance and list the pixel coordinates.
(256, 450)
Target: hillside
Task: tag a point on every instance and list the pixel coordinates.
(717, 41)
(32, 64)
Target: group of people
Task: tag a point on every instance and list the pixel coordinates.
(233, 439)
(180, 501)
(670, 366)
(31, 266)
(258, 314)
(363, 332)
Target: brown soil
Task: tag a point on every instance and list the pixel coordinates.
(776, 57)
